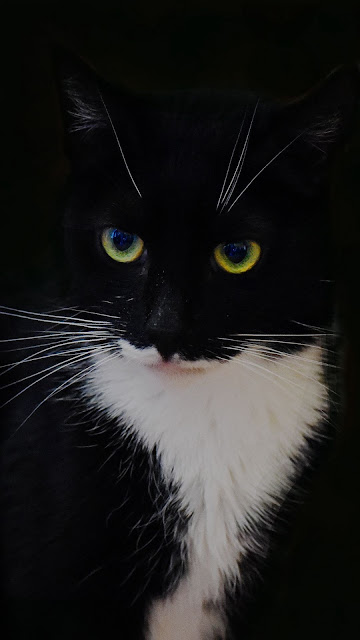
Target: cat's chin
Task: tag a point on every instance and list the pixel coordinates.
(150, 358)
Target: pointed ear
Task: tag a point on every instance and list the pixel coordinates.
(80, 91)
(327, 113)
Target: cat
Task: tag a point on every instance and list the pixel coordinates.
(161, 412)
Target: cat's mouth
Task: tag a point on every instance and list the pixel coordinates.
(177, 366)
(151, 358)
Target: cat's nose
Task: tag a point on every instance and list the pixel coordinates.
(165, 323)
(165, 342)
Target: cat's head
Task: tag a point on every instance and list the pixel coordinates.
(199, 220)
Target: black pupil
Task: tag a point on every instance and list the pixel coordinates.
(236, 252)
(122, 240)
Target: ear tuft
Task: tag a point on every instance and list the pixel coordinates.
(325, 130)
(80, 97)
(326, 114)
(85, 111)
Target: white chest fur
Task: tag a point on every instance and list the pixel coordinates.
(226, 436)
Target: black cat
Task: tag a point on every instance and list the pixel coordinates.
(158, 415)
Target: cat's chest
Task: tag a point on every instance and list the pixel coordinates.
(227, 439)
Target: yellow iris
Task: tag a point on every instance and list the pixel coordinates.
(237, 257)
(122, 246)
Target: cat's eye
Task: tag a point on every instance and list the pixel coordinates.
(237, 257)
(121, 245)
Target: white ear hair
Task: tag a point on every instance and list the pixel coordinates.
(326, 113)
(324, 131)
(87, 115)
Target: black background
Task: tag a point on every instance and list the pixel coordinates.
(282, 49)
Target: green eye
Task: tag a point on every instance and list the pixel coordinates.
(237, 257)
(122, 246)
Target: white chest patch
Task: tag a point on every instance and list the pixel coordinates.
(226, 435)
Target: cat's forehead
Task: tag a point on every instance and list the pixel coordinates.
(201, 115)
(184, 142)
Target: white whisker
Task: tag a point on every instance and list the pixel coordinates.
(119, 145)
(83, 324)
(286, 366)
(54, 335)
(65, 385)
(261, 341)
(279, 335)
(54, 370)
(96, 313)
(36, 356)
(276, 375)
(50, 314)
(229, 165)
(240, 164)
(54, 355)
(296, 357)
(311, 326)
(288, 342)
(54, 342)
(263, 169)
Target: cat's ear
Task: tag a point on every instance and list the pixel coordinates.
(81, 93)
(325, 115)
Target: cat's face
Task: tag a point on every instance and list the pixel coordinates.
(199, 221)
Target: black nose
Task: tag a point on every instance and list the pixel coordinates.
(165, 342)
(165, 323)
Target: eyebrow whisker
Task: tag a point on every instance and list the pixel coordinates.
(237, 172)
(119, 145)
(229, 165)
(263, 169)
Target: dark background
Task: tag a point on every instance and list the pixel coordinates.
(282, 49)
